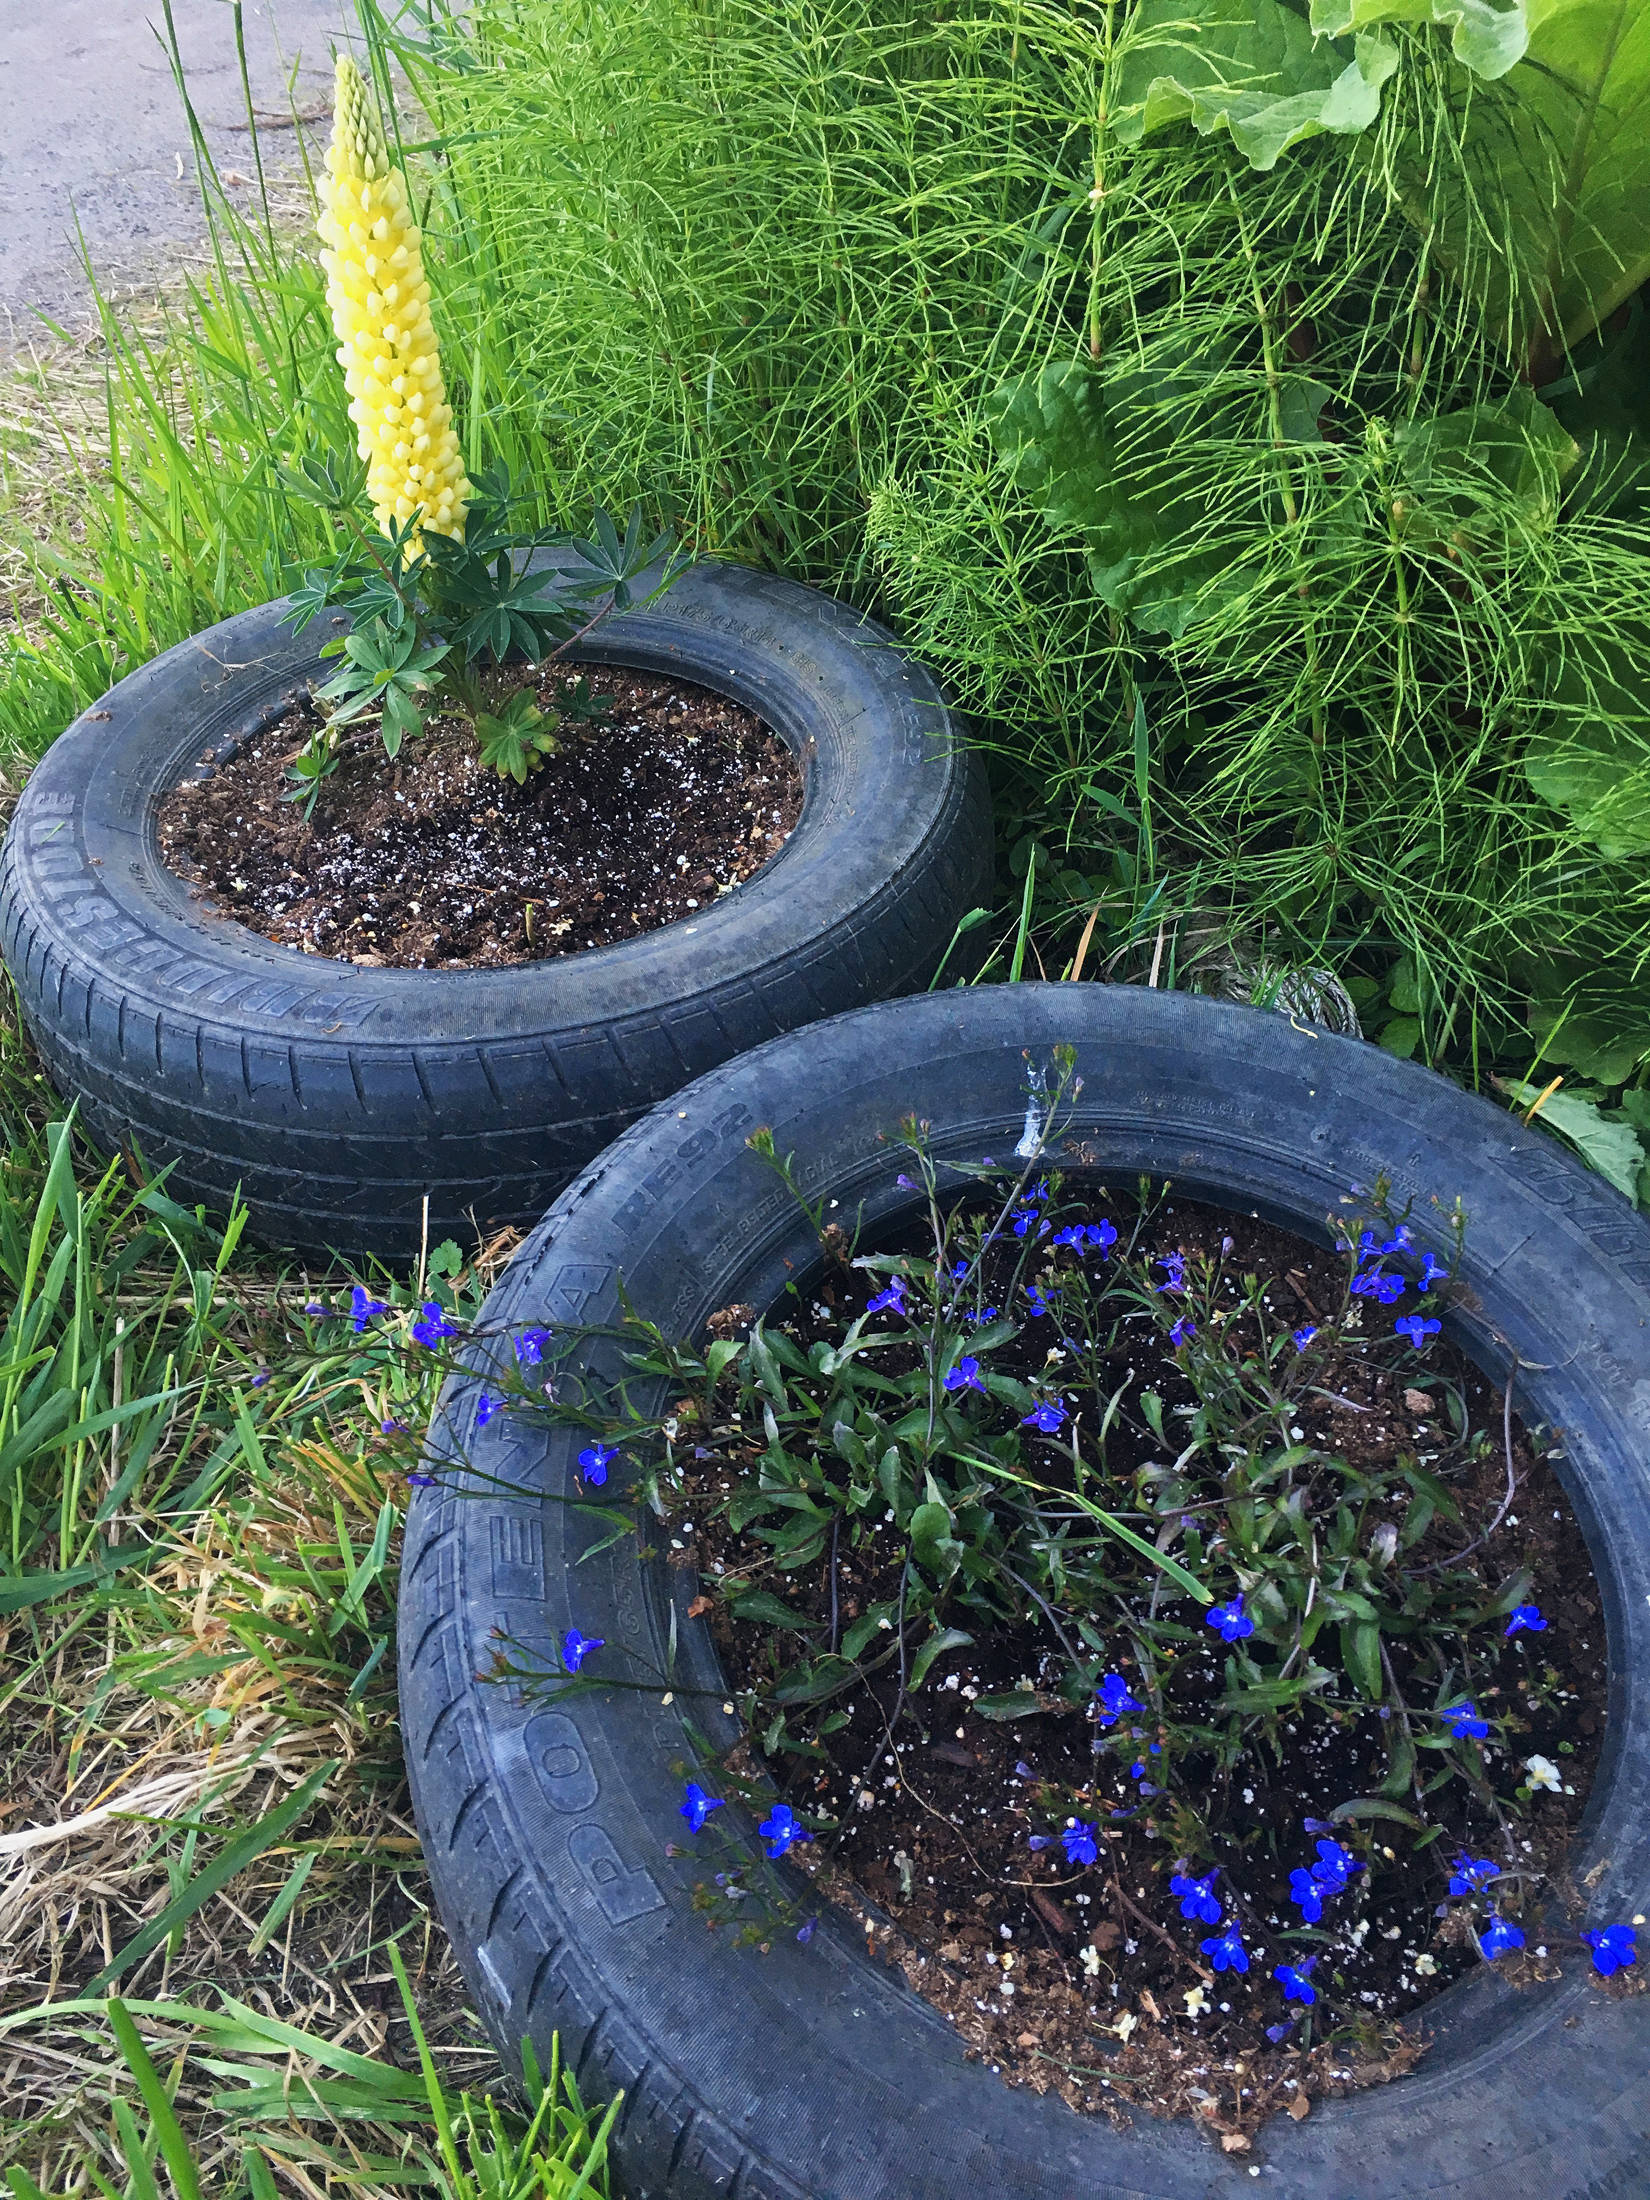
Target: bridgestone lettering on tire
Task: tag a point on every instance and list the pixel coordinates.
(338, 1098)
(812, 2073)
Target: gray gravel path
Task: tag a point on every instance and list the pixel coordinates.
(91, 127)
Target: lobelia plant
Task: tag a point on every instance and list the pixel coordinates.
(1052, 1428)
(442, 600)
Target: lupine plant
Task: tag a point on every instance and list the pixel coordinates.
(445, 605)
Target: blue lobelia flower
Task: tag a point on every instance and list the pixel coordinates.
(1048, 1416)
(1029, 1217)
(1292, 1977)
(1183, 1331)
(1041, 1304)
(421, 1481)
(485, 1409)
(965, 1375)
(1464, 1722)
(1497, 1937)
(1196, 1896)
(985, 1314)
(1232, 1620)
(1432, 1271)
(1226, 1951)
(1303, 1337)
(891, 1300)
(1114, 1699)
(697, 1806)
(1307, 1894)
(805, 1931)
(1175, 1263)
(432, 1325)
(1087, 1237)
(363, 1308)
(1039, 1840)
(575, 1648)
(780, 1830)
(595, 1459)
(1077, 1838)
(1334, 1866)
(530, 1346)
(1401, 1241)
(1415, 1328)
(1613, 1948)
(1380, 1284)
(1526, 1616)
(314, 1306)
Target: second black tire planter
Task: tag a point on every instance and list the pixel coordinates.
(338, 1099)
(812, 2073)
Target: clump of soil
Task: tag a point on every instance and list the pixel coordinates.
(1088, 1980)
(434, 862)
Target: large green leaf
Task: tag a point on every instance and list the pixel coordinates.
(1600, 1039)
(1107, 458)
(1613, 1149)
(1545, 220)
(1488, 40)
(1592, 758)
(1557, 171)
(1605, 403)
(1482, 472)
(1252, 67)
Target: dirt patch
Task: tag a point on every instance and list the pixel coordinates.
(640, 819)
(1086, 1977)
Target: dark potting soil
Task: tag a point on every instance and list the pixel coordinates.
(434, 862)
(1089, 1981)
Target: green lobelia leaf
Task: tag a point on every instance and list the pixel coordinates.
(1014, 1703)
(1487, 40)
(1251, 67)
(1372, 1806)
(934, 1547)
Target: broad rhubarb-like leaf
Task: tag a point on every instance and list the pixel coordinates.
(1252, 67)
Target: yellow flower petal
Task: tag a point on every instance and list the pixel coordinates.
(379, 302)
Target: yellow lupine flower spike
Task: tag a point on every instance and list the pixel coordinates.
(380, 306)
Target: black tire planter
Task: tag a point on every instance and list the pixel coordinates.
(812, 2073)
(335, 1098)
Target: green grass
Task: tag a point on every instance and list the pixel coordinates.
(206, 1810)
